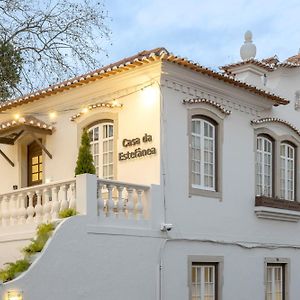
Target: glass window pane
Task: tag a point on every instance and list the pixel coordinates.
(35, 169)
(35, 177)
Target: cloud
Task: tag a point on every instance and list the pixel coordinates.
(210, 32)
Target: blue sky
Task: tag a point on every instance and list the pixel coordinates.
(207, 31)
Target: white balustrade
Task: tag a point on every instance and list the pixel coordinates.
(110, 201)
(37, 204)
(122, 201)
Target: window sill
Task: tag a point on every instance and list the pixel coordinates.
(277, 209)
(204, 193)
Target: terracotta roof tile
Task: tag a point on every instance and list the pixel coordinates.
(266, 66)
(142, 58)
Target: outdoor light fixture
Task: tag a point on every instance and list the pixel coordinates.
(85, 110)
(14, 295)
(149, 95)
(17, 116)
(52, 115)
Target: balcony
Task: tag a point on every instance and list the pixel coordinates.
(277, 209)
(107, 203)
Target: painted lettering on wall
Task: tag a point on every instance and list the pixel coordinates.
(138, 152)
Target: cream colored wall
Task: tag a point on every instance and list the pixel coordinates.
(140, 114)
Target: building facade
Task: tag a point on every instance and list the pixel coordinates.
(196, 194)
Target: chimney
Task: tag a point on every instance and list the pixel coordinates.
(249, 70)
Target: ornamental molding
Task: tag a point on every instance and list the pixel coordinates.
(209, 102)
(276, 120)
(226, 102)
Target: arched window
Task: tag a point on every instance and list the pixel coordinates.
(287, 171)
(203, 153)
(102, 147)
(264, 166)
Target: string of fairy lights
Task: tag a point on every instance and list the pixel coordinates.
(96, 103)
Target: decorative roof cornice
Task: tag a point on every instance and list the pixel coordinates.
(28, 120)
(142, 58)
(250, 61)
(209, 102)
(95, 106)
(277, 120)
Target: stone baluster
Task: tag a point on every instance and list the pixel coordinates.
(55, 202)
(120, 204)
(30, 208)
(5, 213)
(64, 202)
(130, 204)
(139, 205)
(22, 208)
(47, 205)
(72, 202)
(38, 207)
(100, 202)
(14, 209)
(110, 202)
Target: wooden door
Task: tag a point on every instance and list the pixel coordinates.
(35, 164)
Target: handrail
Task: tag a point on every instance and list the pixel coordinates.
(124, 184)
(30, 188)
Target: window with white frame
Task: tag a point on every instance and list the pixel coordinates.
(287, 171)
(264, 166)
(275, 283)
(203, 154)
(102, 147)
(204, 281)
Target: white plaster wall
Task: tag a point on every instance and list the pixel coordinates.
(80, 265)
(232, 217)
(77, 265)
(140, 114)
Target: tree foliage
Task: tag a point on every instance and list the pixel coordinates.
(49, 41)
(85, 161)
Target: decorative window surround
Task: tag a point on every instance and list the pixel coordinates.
(292, 139)
(277, 120)
(94, 106)
(284, 264)
(217, 261)
(213, 113)
(277, 209)
(210, 102)
(96, 118)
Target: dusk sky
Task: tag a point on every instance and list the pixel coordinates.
(209, 32)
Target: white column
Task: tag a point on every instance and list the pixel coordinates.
(86, 195)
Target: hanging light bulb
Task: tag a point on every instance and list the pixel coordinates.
(85, 110)
(17, 116)
(52, 115)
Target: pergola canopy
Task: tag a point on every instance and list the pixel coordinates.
(11, 130)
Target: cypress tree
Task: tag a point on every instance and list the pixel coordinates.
(85, 158)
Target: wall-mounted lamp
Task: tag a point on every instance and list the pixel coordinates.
(149, 95)
(14, 295)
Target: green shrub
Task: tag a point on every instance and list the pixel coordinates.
(85, 161)
(13, 269)
(68, 212)
(45, 228)
(44, 231)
